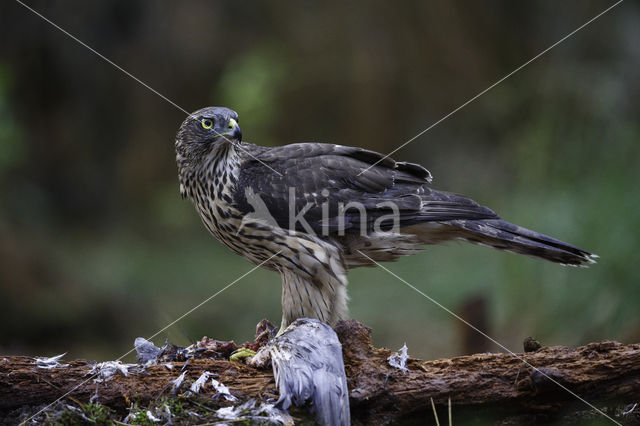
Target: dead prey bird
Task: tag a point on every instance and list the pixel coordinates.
(311, 211)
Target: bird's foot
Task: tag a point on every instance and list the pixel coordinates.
(262, 358)
(242, 354)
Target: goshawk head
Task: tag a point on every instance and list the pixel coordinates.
(204, 130)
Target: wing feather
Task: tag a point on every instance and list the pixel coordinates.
(323, 177)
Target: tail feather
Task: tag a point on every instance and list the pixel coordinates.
(506, 236)
(445, 216)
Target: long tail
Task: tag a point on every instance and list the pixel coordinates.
(506, 236)
(445, 216)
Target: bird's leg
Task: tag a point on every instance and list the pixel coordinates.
(283, 326)
(322, 297)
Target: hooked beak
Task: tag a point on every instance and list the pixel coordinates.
(233, 130)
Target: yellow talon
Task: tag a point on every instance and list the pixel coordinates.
(241, 354)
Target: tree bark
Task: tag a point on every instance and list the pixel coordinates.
(607, 374)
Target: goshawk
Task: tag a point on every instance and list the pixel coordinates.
(311, 211)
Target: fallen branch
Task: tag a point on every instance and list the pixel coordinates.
(607, 374)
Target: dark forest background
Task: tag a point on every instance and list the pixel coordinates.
(96, 246)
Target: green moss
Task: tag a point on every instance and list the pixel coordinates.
(140, 418)
(175, 406)
(97, 413)
(86, 413)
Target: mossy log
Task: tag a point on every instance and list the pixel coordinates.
(493, 386)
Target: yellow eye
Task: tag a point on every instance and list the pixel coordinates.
(207, 124)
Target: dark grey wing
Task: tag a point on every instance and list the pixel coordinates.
(336, 187)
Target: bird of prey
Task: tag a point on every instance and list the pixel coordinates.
(311, 211)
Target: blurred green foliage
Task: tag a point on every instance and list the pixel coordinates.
(96, 246)
(254, 82)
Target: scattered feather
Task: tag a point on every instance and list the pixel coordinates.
(106, 370)
(48, 363)
(229, 413)
(167, 412)
(95, 395)
(169, 366)
(148, 353)
(76, 410)
(248, 411)
(199, 384)
(184, 367)
(222, 390)
(399, 359)
(275, 415)
(153, 418)
(177, 382)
